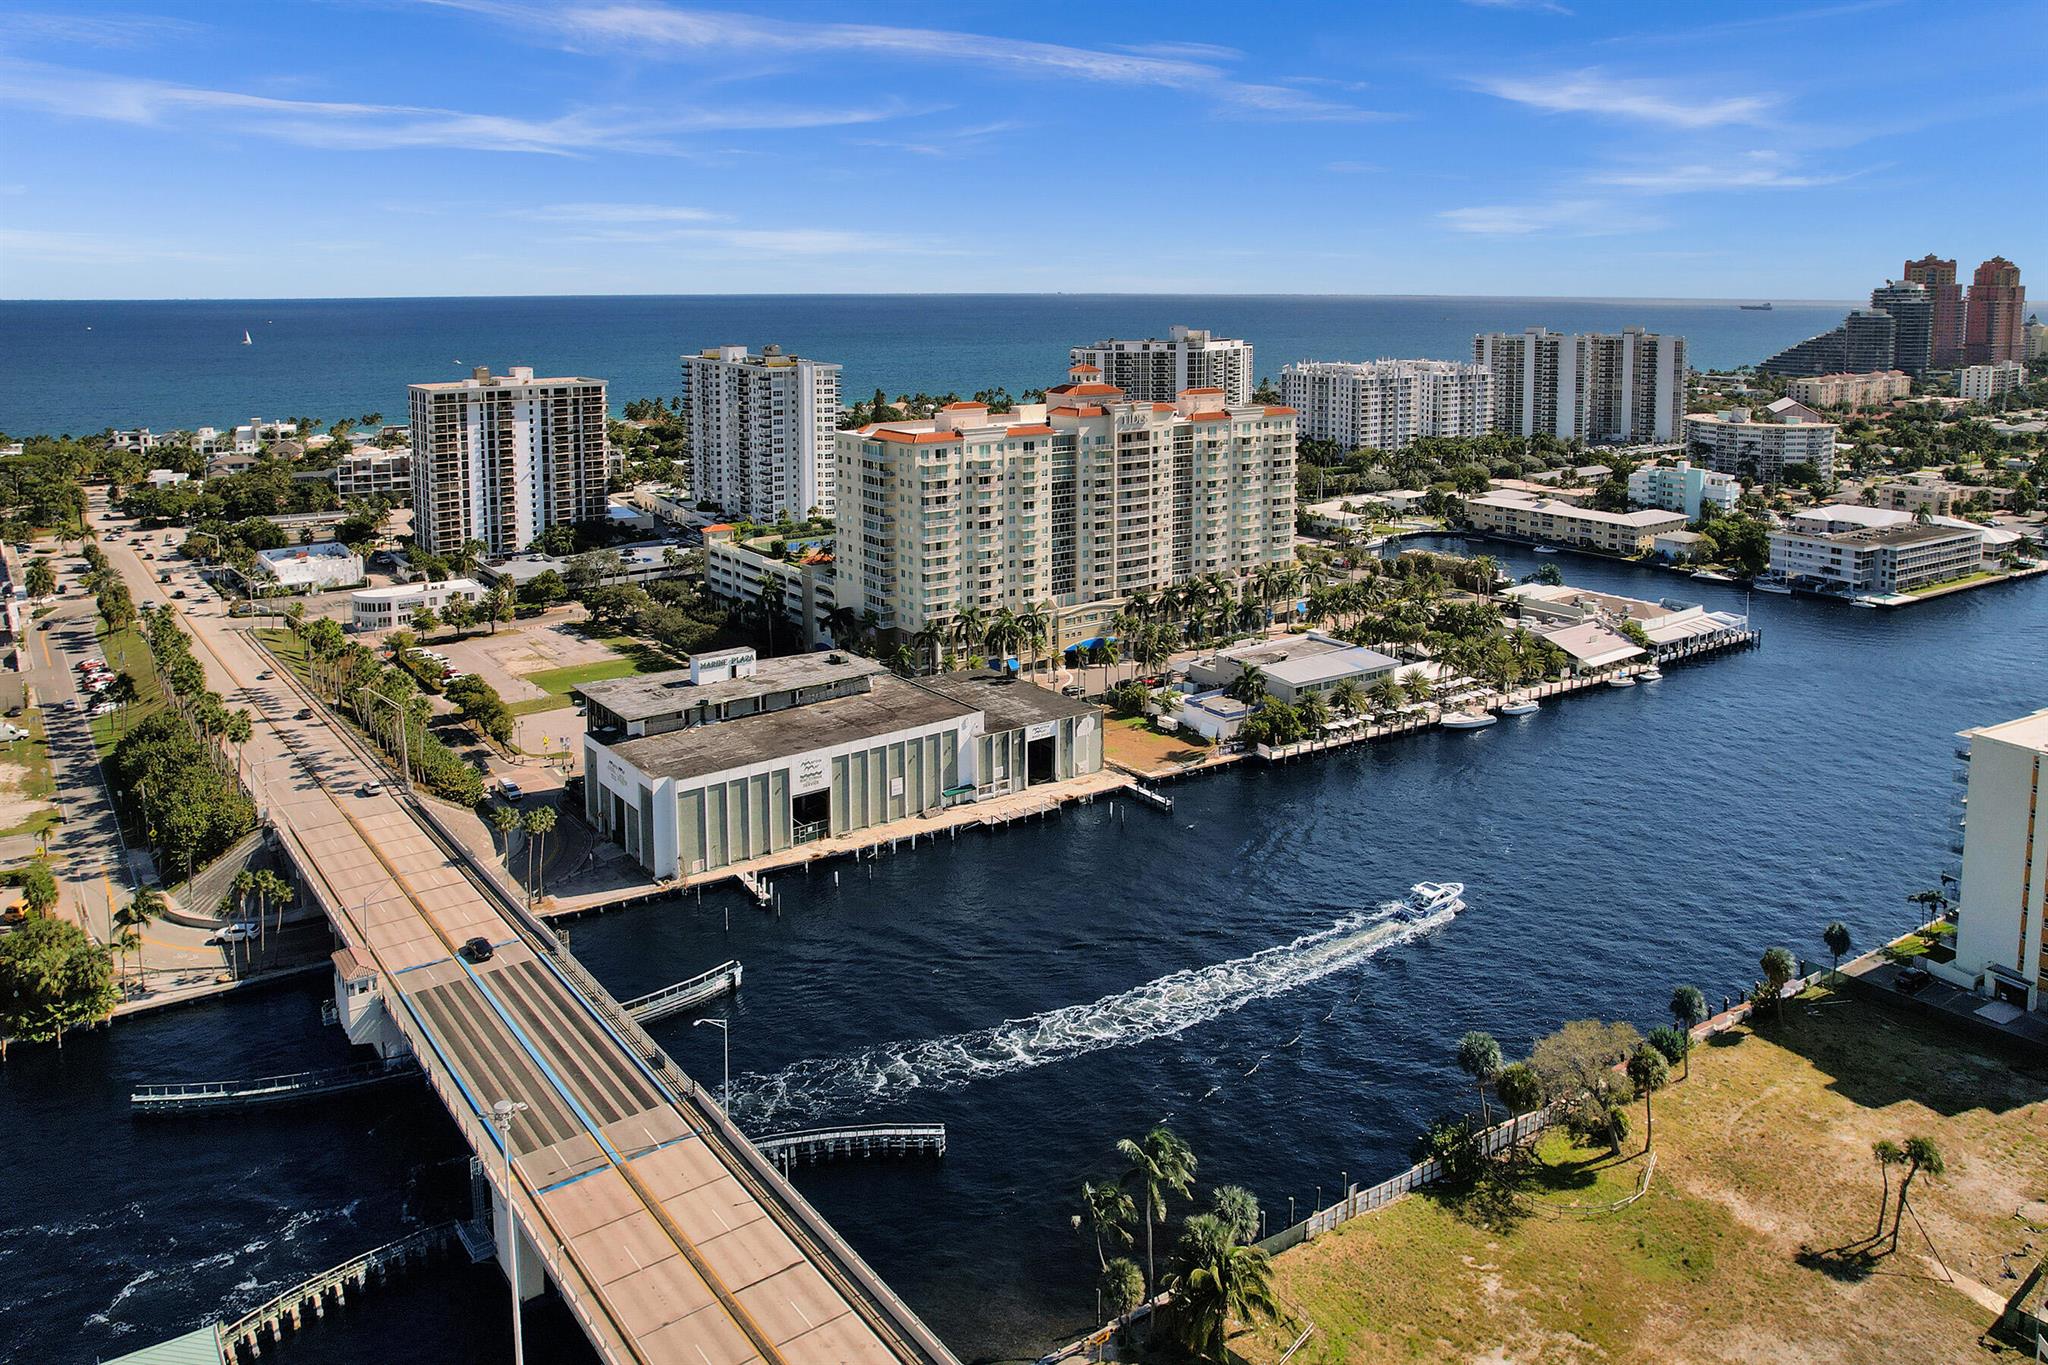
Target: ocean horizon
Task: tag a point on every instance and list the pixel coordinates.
(75, 366)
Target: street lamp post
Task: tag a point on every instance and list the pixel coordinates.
(501, 1114)
(724, 1028)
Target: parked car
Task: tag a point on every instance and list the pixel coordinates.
(306, 713)
(1912, 980)
(85, 664)
(179, 593)
(103, 708)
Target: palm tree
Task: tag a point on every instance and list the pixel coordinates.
(1921, 1155)
(1836, 936)
(1480, 1058)
(1156, 1166)
(538, 822)
(1648, 1071)
(1108, 1212)
(1217, 1278)
(1035, 623)
(1348, 697)
(970, 628)
(931, 639)
(1888, 1155)
(1002, 635)
(1249, 686)
(1108, 654)
(843, 623)
(466, 556)
(1688, 1010)
(505, 820)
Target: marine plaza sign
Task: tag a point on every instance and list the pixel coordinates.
(810, 774)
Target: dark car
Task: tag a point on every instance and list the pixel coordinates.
(180, 593)
(476, 950)
(306, 713)
(1912, 980)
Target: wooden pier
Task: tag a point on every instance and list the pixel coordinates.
(288, 1311)
(724, 979)
(191, 1096)
(1157, 800)
(833, 1144)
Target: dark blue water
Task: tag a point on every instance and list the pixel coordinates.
(82, 366)
(1612, 845)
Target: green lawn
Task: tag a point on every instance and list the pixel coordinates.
(126, 651)
(1946, 583)
(635, 657)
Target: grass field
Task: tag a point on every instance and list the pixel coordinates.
(1948, 583)
(1750, 1242)
(634, 657)
(126, 651)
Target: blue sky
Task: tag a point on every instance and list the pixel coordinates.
(632, 146)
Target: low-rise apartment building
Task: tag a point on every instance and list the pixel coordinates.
(1870, 551)
(804, 577)
(1731, 442)
(1294, 666)
(1388, 404)
(389, 608)
(367, 472)
(1683, 487)
(1871, 390)
(1546, 519)
(735, 757)
(1077, 502)
(312, 568)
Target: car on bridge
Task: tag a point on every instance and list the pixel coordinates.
(239, 932)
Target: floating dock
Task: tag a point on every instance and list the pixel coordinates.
(724, 979)
(191, 1096)
(834, 1144)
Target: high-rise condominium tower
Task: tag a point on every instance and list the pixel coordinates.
(761, 431)
(1156, 369)
(1994, 316)
(1940, 278)
(1078, 502)
(1388, 404)
(500, 458)
(1912, 311)
(1626, 387)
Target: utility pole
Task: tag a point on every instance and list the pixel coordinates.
(724, 1027)
(502, 1114)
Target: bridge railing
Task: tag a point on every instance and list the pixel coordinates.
(683, 994)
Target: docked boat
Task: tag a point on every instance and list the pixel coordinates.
(1651, 674)
(1426, 898)
(1521, 708)
(1776, 585)
(1621, 680)
(1469, 720)
(1546, 549)
(1709, 576)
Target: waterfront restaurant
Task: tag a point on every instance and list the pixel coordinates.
(735, 758)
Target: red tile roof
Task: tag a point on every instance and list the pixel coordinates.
(1201, 390)
(959, 407)
(914, 438)
(1209, 417)
(1084, 369)
(1072, 411)
(1030, 431)
(1280, 412)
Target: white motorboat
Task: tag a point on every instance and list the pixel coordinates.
(1775, 585)
(1546, 549)
(1709, 576)
(1468, 720)
(1426, 898)
(1621, 680)
(1521, 708)
(1651, 674)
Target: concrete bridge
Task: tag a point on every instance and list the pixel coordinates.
(667, 1234)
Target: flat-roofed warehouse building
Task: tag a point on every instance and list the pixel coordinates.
(735, 758)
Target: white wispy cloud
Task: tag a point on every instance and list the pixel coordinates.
(1755, 170)
(1543, 6)
(1592, 91)
(758, 242)
(94, 248)
(1567, 217)
(641, 26)
(84, 30)
(616, 213)
(945, 142)
(351, 126)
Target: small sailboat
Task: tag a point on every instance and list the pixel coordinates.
(1773, 585)
(1526, 707)
(247, 340)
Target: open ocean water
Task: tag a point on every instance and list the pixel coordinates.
(1047, 989)
(84, 366)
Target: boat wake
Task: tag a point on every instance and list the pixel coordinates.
(853, 1083)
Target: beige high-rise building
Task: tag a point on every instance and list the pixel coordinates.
(761, 431)
(501, 458)
(1388, 404)
(1079, 502)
